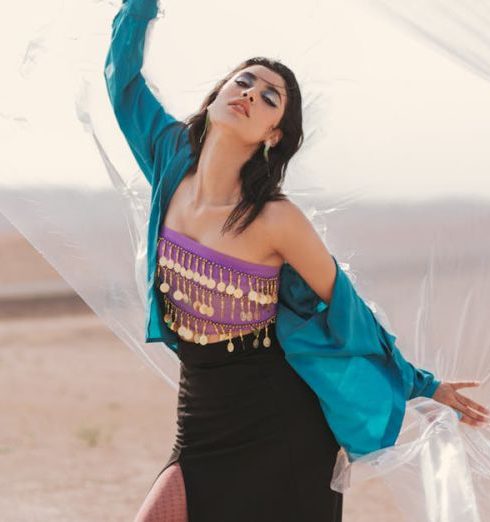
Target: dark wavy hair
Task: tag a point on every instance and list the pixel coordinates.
(259, 182)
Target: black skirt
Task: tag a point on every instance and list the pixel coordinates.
(252, 441)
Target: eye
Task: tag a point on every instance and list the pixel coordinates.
(267, 100)
(272, 104)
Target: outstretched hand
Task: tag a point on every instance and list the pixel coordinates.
(447, 393)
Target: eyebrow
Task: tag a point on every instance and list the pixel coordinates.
(271, 87)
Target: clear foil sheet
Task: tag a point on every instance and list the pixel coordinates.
(393, 173)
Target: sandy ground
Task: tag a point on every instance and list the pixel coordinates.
(85, 424)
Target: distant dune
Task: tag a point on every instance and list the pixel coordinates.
(29, 286)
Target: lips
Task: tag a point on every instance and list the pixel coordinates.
(242, 106)
(239, 108)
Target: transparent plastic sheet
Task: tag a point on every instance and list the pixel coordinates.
(392, 173)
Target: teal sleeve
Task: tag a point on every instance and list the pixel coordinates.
(352, 327)
(424, 383)
(351, 317)
(349, 360)
(141, 117)
(417, 382)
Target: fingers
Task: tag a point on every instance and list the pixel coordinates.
(472, 404)
(468, 407)
(473, 422)
(469, 416)
(469, 411)
(464, 384)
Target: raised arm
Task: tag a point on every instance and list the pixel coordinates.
(141, 117)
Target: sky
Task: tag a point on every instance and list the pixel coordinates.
(387, 115)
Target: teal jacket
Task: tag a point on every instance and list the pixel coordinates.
(339, 348)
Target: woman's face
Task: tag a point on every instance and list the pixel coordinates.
(264, 92)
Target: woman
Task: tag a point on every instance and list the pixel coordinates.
(252, 442)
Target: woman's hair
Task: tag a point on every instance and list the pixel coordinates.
(258, 186)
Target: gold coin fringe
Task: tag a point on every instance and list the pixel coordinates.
(194, 286)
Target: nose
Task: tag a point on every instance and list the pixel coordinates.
(246, 94)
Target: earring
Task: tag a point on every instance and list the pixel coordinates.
(205, 127)
(267, 146)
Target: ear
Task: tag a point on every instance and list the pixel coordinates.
(275, 137)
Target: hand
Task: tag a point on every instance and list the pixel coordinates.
(446, 393)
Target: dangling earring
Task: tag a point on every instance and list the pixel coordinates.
(205, 127)
(267, 146)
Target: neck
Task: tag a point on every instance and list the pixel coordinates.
(217, 182)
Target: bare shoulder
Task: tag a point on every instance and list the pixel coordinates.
(292, 235)
(283, 217)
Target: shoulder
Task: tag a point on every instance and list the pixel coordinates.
(283, 219)
(275, 211)
(292, 236)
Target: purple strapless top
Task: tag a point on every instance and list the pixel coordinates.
(206, 292)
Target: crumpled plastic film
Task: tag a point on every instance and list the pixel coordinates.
(393, 174)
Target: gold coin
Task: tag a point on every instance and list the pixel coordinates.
(249, 316)
(211, 283)
(262, 299)
(178, 295)
(202, 309)
(203, 279)
(203, 339)
(274, 298)
(266, 342)
(170, 263)
(177, 266)
(164, 287)
(196, 338)
(255, 343)
(252, 295)
(268, 299)
(230, 346)
(230, 289)
(238, 293)
(243, 316)
(162, 261)
(181, 331)
(210, 311)
(196, 277)
(221, 287)
(167, 318)
(173, 326)
(196, 305)
(188, 334)
(189, 274)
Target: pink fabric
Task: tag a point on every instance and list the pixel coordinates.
(166, 501)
